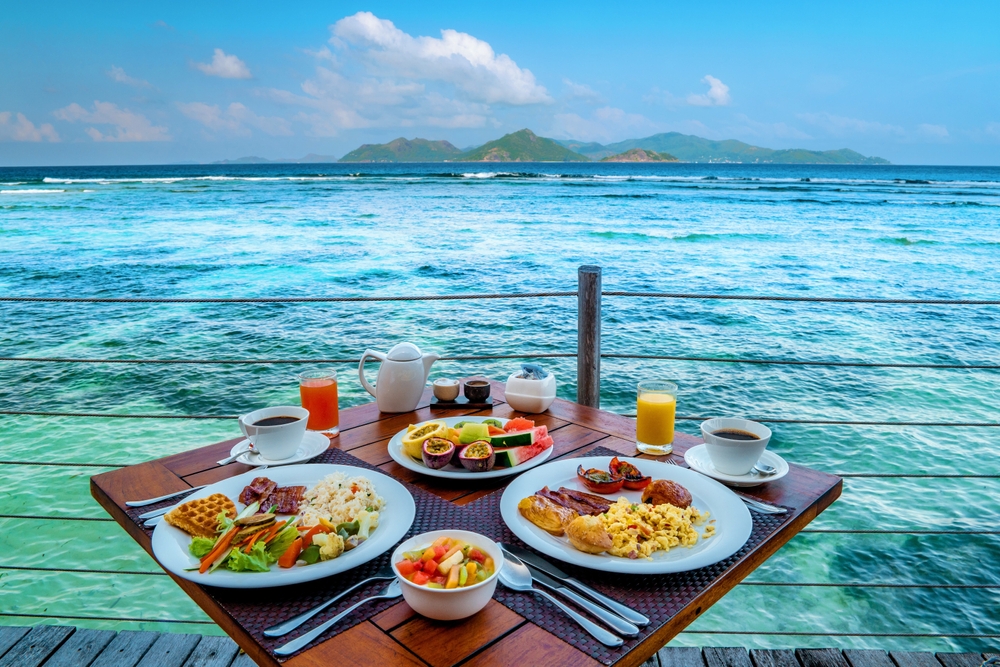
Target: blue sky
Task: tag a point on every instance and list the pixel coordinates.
(128, 83)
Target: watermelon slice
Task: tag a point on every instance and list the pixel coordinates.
(508, 457)
(519, 438)
(518, 424)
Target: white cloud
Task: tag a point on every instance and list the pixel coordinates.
(605, 124)
(128, 126)
(933, 131)
(236, 119)
(17, 127)
(456, 58)
(844, 126)
(717, 95)
(583, 92)
(664, 97)
(118, 74)
(225, 66)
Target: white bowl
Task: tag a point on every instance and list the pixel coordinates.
(734, 457)
(531, 396)
(444, 604)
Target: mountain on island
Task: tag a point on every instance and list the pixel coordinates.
(404, 150)
(640, 155)
(689, 148)
(526, 146)
(521, 146)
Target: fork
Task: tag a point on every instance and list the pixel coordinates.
(756, 505)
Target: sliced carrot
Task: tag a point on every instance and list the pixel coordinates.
(308, 537)
(220, 548)
(253, 538)
(291, 554)
(275, 529)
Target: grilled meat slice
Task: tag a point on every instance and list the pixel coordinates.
(578, 501)
(259, 489)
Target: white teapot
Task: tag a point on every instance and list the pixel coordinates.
(401, 377)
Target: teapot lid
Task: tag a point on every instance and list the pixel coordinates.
(404, 352)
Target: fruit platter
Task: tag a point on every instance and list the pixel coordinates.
(471, 447)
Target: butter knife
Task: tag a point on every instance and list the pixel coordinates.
(545, 566)
(610, 619)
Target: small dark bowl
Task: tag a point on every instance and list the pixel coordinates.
(477, 391)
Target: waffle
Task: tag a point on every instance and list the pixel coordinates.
(199, 517)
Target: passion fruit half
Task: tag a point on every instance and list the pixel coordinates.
(413, 441)
(478, 456)
(437, 452)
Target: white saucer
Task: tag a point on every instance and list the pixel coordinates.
(697, 458)
(313, 444)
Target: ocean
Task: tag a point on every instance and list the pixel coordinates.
(381, 230)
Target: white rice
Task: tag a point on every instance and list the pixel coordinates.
(332, 499)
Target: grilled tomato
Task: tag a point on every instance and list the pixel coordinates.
(634, 480)
(600, 481)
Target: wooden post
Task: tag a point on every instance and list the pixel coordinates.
(588, 345)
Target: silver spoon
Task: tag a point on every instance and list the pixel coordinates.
(515, 575)
(762, 468)
(394, 590)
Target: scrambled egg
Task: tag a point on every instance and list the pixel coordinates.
(638, 530)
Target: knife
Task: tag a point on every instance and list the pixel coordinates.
(545, 566)
(610, 619)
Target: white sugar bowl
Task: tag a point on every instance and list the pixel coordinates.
(526, 393)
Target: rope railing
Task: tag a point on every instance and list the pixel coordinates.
(512, 295)
(822, 422)
(526, 355)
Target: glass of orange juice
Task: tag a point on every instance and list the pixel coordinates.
(318, 390)
(656, 406)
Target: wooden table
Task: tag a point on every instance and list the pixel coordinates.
(496, 635)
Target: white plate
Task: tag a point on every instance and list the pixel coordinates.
(732, 519)
(170, 544)
(697, 458)
(313, 444)
(458, 472)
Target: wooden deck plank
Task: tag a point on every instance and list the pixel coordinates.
(914, 659)
(212, 652)
(960, 659)
(821, 657)
(530, 645)
(442, 644)
(126, 649)
(243, 660)
(868, 658)
(393, 617)
(36, 646)
(169, 650)
(364, 644)
(726, 657)
(81, 648)
(10, 635)
(680, 656)
(774, 658)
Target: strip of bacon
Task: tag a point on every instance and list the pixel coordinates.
(578, 501)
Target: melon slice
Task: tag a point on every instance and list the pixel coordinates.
(508, 457)
(519, 438)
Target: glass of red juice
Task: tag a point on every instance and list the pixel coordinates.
(318, 390)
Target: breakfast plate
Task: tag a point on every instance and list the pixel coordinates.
(313, 444)
(697, 458)
(170, 544)
(731, 518)
(458, 472)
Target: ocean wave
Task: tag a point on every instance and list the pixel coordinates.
(634, 236)
(904, 241)
(31, 191)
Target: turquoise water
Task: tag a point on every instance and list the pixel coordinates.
(288, 230)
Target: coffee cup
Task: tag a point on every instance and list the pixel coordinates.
(275, 433)
(477, 391)
(445, 390)
(734, 445)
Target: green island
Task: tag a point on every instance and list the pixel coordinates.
(640, 155)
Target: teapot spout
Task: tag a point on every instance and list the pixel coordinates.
(429, 358)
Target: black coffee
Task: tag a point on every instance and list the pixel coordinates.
(275, 421)
(735, 434)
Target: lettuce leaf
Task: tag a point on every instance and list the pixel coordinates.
(255, 561)
(200, 546)
(281, 542)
